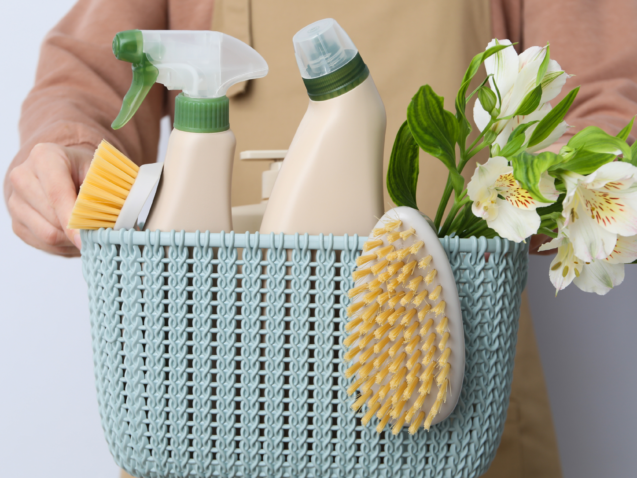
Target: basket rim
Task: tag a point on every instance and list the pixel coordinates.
(277, 241)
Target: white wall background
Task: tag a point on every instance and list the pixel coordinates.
(49, 423)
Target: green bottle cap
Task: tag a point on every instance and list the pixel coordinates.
(338, 82)
(202, 115)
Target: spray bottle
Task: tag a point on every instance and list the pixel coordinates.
(194, 192)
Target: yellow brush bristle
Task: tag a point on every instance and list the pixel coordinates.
(376, 268)
(359, 274)
(414, 283)
(424, 263)
(393, 302)
(435, 293)
(369, 245)
(108, 182)
(401, 355)
(393, 237)
(407, 298)
(354, 291)
(380, 253)
(360, 260)
(442, 326)
(408, 233)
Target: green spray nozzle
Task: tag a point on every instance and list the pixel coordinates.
(128, 46)
(203, 64)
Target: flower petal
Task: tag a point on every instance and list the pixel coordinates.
(503, 66)
(552, 83)
(481, 187)
(590, 240)
(532, 53)
(600, 277)
(565, 266)
(625, 251)
(613, 176)
(611, 211)
(524, 83)
(513, 223)
(509, 189)
(547, 188)
(552, 244)
(480, 115)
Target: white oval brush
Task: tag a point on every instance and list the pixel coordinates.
(406, 340)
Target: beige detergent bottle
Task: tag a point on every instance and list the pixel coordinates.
(331, 178)
(194, 191)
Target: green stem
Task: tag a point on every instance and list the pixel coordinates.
(477, 228)
(443, 203)
(458, 203)
(459, 220)
(473, 152)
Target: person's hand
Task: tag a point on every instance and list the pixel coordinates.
(41, 194)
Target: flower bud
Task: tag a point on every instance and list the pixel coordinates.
(487, 99)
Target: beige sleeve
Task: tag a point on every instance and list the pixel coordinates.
(592, 40)
(79, 84)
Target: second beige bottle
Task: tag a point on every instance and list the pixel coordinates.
(331, 178)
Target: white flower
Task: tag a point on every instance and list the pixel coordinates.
(498, 199)
(600, 207)
(515, 77)
(598, 276)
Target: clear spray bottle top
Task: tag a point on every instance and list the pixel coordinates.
(203, 64)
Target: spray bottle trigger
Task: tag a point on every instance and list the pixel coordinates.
(144, 76)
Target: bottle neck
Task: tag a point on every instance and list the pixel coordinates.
(338, 82)
(201, 115)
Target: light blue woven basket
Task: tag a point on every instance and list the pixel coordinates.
(219, 356)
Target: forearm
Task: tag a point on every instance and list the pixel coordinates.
(592, 40)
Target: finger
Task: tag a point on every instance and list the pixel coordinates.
(57, 183)
(33, 229)
(27, 237)
(27, 186)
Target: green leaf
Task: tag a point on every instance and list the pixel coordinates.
(624, 133)
(633, 152)
(474, 65)
(552, 119)
(530, 102)
(544, 66)
(550, 220)
(584, 162)
(512, 147)
(550, 210)
(402, 174)
(434, 129)
(521, 129)
(594, 140)
(487, 99)
(528, 169)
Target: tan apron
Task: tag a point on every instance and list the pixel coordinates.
(405, 44)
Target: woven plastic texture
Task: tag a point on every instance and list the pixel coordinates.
(220, 355)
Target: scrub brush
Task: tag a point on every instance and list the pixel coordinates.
(406, 340)
(114, 191)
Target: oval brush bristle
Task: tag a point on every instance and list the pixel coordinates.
(108, 182)
(398, 332)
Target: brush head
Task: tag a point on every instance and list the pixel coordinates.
(103, 193)
(406, 339)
